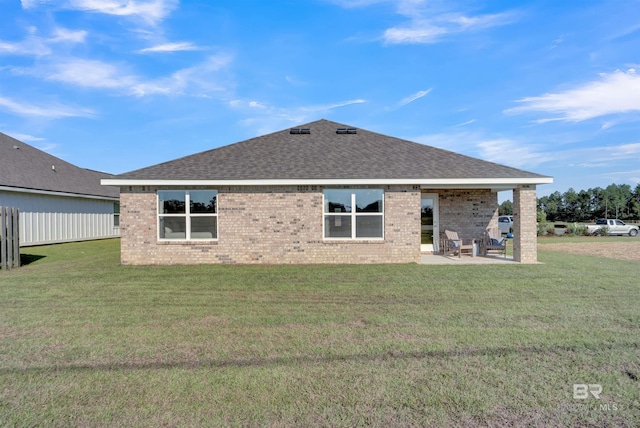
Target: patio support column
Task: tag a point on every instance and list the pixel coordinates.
(525, 240)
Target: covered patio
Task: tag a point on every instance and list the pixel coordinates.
(470, 209)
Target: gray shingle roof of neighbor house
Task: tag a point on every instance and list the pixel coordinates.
(323, 153)
(25, 167)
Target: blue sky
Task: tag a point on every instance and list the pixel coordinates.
(547, 86)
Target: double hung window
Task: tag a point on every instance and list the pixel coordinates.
(187, 214)
(116, 214)
(353, 213)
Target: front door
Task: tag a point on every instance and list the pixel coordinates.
(429, 232)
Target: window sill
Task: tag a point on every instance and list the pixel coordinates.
(187, 242)
(353, 241)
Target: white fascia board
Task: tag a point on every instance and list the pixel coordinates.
(53, 193)
(444, 183)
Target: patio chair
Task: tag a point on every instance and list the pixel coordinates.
(453, 244)
(492, 240)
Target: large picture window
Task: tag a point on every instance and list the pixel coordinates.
(353, 213)
(188, 214)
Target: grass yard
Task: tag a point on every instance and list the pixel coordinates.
(87, 342)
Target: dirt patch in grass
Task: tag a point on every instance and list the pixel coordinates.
(614, 250)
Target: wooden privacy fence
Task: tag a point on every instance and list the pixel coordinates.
(9, 238)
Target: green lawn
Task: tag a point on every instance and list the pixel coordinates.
(87, 342)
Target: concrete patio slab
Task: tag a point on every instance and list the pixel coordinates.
(436, 259)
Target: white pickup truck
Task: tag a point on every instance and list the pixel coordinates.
(616, 227)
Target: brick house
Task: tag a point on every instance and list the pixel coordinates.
(320, 193)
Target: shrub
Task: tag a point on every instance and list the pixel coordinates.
(603, 231)
(577, 229)
(542, 216)
(551, 229)
(541, 229)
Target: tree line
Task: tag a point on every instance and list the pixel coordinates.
(615, 201)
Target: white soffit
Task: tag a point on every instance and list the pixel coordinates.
(448, 183)
(54, 193)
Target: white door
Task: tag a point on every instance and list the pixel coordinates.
(429, 231)
(617, 227)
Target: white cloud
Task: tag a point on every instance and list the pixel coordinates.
(256, 104)
(24, 137)
(632, 176)
(413, 97)
(56, 111)
(510, 152)
(293, 114)
(40, 46)
(47, 147)
(25, 47)
(626, 150)
(199, 80)
(171, 47)
(429, 22)
(150, 12)
(468, 122)
(294, 81)
(349, 4)
(418, 33)
(424, 30)
(90, 74)
(506, 151)
(327, 107)
(271, 118)
(65, 35)
(613, 93)
(605, 156)
(592, 164)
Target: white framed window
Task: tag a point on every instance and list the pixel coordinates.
(187, 215)
(353, 214)
(116, 214)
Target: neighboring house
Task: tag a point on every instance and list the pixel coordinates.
(318, 193)
(58, 201)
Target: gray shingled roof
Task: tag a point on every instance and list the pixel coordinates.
(324, 154)
(26, 167)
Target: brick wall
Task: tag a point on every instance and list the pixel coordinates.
(467, 211)
(273, 225)
(525, 240)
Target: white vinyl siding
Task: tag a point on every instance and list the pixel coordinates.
(48, 219)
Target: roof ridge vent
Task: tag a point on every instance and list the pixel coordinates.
(300, 131)
(346, 131)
